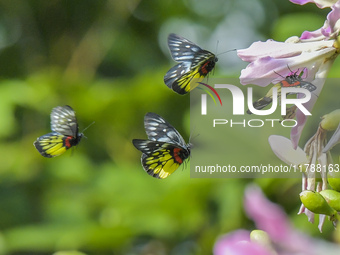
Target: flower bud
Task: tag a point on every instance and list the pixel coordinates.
(331, 120)
(332, 197)
(334, 180)
(262, 238)
(316, 203)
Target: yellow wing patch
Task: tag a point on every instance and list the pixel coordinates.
(188, 81)
(160, 164)
(50, 145)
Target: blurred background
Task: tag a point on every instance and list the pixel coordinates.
(107, 60)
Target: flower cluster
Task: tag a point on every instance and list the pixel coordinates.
(314, 51)
(277, 236)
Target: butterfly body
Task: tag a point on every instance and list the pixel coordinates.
(64, 136)
(208, 66)
(194, 64)
(164, 150)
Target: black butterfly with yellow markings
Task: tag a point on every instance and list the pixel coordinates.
(165, 150)
(194, 63)
(65, 133)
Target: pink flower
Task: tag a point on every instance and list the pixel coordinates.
(314, 51)
(238, 243)
(329, 30)
(284, 239)
(272, 219)
(319, 3)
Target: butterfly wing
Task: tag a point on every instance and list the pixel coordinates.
(195, 64)
(64, 121)
(181, 49)
(183, 84)
(160, 159)
(52, 144)
(158, 129)
(175, 73)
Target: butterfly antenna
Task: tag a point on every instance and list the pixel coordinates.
(88, 127)
(193, 138)
(217, 45)
(226, 52)
(190, 137)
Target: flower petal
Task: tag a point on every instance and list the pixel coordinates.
(320, 78)
(335, 139)
(316, 35)
(269, 57)
(319, 3)
(329, 30)
(272, 219)
(238, 243)
(333, 20)
(267, 215)
(283, 149)
(301, 2)
(322, 218)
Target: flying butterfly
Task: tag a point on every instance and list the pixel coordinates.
(165, 150)
(65, 133)
(194, 64)
(292, 80)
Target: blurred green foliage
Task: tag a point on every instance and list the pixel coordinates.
(107, 60)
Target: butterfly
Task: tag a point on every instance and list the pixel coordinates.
(165, 150)
(65, 133)
(194, 62)
(292, 80)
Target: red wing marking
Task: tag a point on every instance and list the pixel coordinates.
(204, 70)
(68, 142)
(176, 156)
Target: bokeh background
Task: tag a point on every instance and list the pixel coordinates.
(107, 60)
